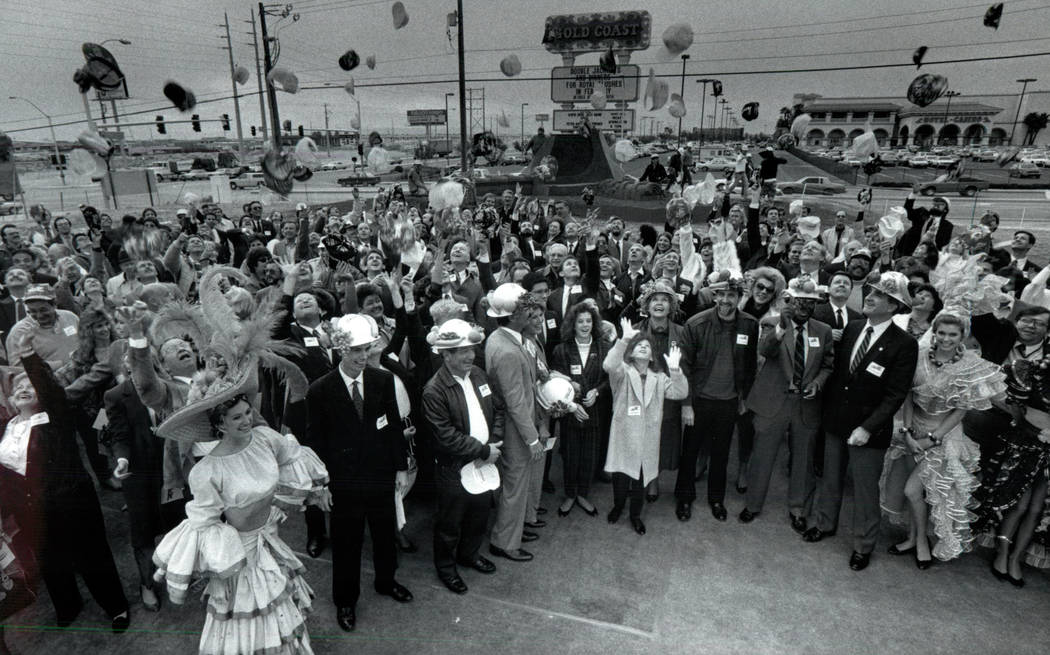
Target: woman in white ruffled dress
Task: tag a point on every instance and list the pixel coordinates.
(930, 464)
(256, 596)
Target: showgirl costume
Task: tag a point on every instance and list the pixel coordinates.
(947, 470)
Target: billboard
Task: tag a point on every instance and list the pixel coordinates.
(426, 116)
(577, 83)
(119, 93)
(620, 30)
(607, 120)
(542, 117)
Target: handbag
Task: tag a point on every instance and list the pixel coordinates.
(17, 576)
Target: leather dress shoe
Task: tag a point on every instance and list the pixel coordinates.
(859, 561)
(548, 487)
(66, 621)
(406, 545)
(519, 555)
(527, 536)
(397, 592)
(638, 526)
(481, 565)
(746, 515)
(346, 617)
(537, 524)
(684, 511)
(119, 624)
(454, 583)
(316, 545)
(614, 514)
(718, 510)
(815, 534)
(798, 523)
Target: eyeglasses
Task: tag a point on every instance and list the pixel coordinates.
(1032, 322)
(767, 288)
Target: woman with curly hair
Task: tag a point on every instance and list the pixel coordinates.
(938, 478)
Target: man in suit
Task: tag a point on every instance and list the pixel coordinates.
(530, 250)
(569, 292)
(261, 226)
(13, 306)
(787, 395)
(834, 312)
(631, 280)
(464, 283)
(353, 424)
(721, 354)
(512, 360)
(874, 367)
(836, 237)
(1016, 258)
(467, 421)
(926, 224)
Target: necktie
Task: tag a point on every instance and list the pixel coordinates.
(862, 350)
(840, 322)
(359, 402)
(20, 309)
(800, 357)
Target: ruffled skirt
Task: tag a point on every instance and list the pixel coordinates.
(947, 473)
(256, 607)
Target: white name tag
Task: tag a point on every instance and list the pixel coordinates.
(875, 369)
(576, 369)
(814, 342)
(7, 556)
(681, 297)
(618, 297)
(70, 330)
(634, 410)
(381, 422)
(310, 342)
(575, 289)
(551, 323)
(485, 391)
(39, 419)
(741, 339)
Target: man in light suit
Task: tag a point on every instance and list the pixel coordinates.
(874, 367)
(786, 396)
(835, 238)
(512, 360)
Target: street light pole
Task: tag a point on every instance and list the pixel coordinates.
(949, 95)
(54, 141)
(682, 93)
(1020, 100)
(523, 106)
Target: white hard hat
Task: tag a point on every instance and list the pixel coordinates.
(354, 330)
(504, 300)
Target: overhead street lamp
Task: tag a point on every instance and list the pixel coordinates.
(1020, 100)
(120, 41)
(949, 95)
(54, 141)
(703, 97)
(681, 92)
(523, 106)
(448, 142)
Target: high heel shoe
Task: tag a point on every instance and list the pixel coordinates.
(593, 511)
(895, 550)
(999, 575)
(652, 498)
(923, 564)
(565, 512)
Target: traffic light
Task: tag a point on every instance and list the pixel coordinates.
(226, 122)
(196, 121)
(253, 130)
(716, 88)
(300, 130)
(161, 129)
(58, 160)
(287, 125)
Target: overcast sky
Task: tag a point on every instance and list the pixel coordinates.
(179, 39)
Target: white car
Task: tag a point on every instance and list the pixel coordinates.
(715, 164)
(1042, 161)
(8, 207)
(335, 166)
(247, 181)
(919, 161)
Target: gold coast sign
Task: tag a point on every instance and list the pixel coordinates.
(577, 33)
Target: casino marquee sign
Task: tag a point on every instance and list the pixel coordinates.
(575, 33)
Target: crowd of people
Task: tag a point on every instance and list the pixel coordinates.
(221, 372)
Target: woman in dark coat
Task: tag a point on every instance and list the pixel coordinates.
(579, 356)
(52, 498)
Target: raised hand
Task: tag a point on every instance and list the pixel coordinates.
(673, 358)
(627, 329)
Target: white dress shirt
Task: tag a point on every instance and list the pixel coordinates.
(349, 382)
(478, 426)
(879, 330)
(14, 448)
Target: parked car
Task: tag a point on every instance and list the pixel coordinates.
(985, 155)
(822, 185)
(247, 180)
(919, 161)
(943, 161)
(1025, 169)
(359, 179)
(8, 207)
(335, 165)
(196, 174)
(715, 164)
(889, 158)
(1041, 161)
(964, 186)
(514, 157)
(854, 161)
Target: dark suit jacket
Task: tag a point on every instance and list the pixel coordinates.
(362, 453)
(996, 336)
(698, 352)
(918, 217)
(629, 288)
(876, 390)
(7, 316)
(445, 408)
(133, 438)
(769, 392)
(577, 292)
(824, 314)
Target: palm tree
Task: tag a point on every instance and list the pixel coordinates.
(1034, 122)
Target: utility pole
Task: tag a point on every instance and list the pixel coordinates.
(1020, 100)
(259, 77)
(949, 95)
(271, 92)
(233, 83)
(327, 134)
(462, 89)
(523, 106)
(681, 92)
(703, 97)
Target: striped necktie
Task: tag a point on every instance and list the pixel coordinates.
(863, 350)
(800, 357)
